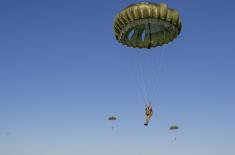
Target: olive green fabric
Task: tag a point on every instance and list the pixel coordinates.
(112, 118)
(147, 25)
(174, 127)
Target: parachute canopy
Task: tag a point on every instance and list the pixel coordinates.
(112, 118)
(174, 127)
(147, 25)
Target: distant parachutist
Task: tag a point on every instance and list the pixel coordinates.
(174, 128)
(111, 119)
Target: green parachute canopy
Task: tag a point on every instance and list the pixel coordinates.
(147, 25)
(174, 127)
(112, 118)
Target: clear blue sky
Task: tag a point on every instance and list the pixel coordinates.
(62, 73)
